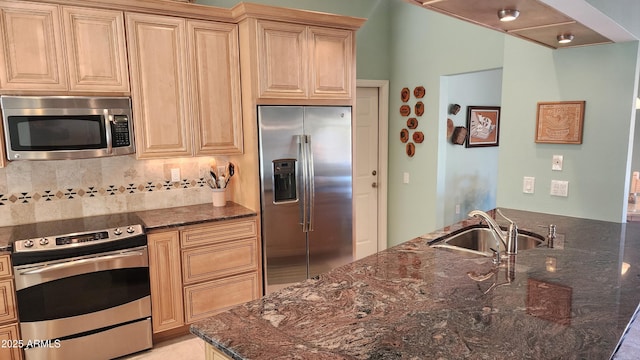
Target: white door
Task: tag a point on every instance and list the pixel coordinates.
(366, 182)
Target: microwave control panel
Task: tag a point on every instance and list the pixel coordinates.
(120, 130)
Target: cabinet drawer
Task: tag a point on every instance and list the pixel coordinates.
(7, 302)
(215, 261)
(217, 233)
(209, 298)
(5, 266)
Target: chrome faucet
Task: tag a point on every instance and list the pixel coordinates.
(508, 238)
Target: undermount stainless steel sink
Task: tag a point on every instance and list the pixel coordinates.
(480, 240)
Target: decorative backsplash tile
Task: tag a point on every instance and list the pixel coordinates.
(33, 191)
(93, 191)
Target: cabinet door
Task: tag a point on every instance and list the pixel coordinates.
(5, 261)
(331, 63)
(9, 333)
(32, 55)
(209, 298)
(215, 83)
(166, 283)
(7, 301)
(159, 87)
(96, 50)
(282, 60)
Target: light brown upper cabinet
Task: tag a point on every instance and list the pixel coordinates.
(215, 87)
(33, 56)
(282, 56)
(159, 87)
(304, 62)
(330, 62)
(185, 80)
(96, 49)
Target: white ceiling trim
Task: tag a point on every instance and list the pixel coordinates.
(592, 18)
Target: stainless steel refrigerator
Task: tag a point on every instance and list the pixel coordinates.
(306, 191)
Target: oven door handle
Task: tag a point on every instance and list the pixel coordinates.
(67, 264)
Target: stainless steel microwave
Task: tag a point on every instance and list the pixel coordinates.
(66, 127)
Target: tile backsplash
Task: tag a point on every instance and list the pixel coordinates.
(32, 191)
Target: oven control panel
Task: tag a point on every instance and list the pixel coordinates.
(65, 241)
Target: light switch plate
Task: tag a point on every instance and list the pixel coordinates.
(556, 162)
(559, 188)
(528, 185)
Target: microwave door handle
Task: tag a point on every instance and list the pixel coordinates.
(107, 128)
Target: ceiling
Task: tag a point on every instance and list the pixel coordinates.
(538, 22)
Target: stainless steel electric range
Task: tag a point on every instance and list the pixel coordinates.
(82, 288)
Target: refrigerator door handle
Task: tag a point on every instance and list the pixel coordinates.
(302, 154)
(312, 180)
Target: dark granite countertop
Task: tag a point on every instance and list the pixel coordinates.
(150, 219)
(191, 215)
(573, 301)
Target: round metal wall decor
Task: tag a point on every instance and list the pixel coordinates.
(405, 94)
(406, 134)
(411, 149)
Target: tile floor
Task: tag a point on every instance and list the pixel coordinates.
(188, 347)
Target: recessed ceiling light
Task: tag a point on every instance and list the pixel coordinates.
(508, 14)
(565, 38)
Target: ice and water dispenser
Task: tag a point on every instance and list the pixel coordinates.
(284, 180)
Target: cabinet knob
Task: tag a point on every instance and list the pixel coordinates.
(374, 173)
(374, 185)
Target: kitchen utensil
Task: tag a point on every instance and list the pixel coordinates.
(231, 172)
(214, 177)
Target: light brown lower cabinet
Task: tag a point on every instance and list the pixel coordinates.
(212, 353)
(211, 297)
(200, 270)
(9, 334)
(9, 339)
(166, 285)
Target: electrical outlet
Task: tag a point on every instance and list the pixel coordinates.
(457, 209)
(556, 162)
(405, 178)
(175, 175)
(559, 188)
(528, 185)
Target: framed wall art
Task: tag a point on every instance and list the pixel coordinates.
(483, 125)
(560, 122)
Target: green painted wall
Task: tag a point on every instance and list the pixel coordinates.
(411, 46)
(604, 76)
(471, 179)
(372, 38)
(421, 54)
(624, 12)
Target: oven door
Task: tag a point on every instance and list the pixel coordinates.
(71, 298)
